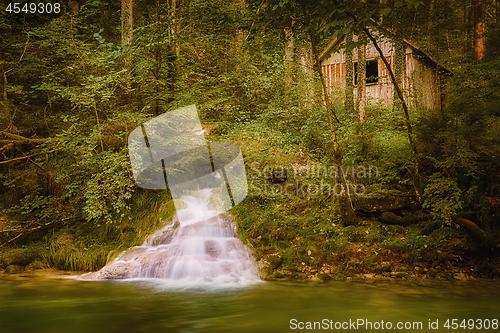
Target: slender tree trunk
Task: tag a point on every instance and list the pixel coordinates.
(361, 82)
(127, 30)
(307, 91)
(416, 163)
(288, 63)
(479, 30)
(349, 77)
(127, 16)
(348, 216)
(4, 94)
(399, 69)
(431, 10)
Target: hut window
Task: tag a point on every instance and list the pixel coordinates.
(371, 72)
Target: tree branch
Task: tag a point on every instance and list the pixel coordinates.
(28, 156)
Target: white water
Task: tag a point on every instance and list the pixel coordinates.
(188, 252)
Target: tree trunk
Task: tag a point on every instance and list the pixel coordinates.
(416, 163)
(127, 30)
(307, 91)
(349, 77)
(479, 30)
(288, 63)
(347, 214)
(361, 82)
(431, 9)
(399, 69)
(4, 109)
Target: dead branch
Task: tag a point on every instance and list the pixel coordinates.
(28, 156)
(27, 231)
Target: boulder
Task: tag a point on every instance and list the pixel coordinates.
(13, 269)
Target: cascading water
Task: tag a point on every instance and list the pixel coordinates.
(199, 247)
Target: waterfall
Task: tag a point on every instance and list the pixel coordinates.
(199, 247)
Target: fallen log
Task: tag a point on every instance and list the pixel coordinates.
(471, 227)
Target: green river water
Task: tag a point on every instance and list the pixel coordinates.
(34, 304)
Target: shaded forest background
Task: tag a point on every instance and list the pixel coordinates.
(75, 84)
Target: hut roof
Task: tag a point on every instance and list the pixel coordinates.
(388, 34)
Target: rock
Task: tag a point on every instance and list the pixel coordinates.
(14, 269)
(368, 276)
(315, 279)
(418, 216)
(432, 272)
(374, 203)
(386, 266)
(115, 270)
(459, 276)
(19, 257)
(36, 265)
(388, 274)
(279, 275)
(430, 226)
(274, 261)
(324, 277)
(398, 274)
(391, 218)
(264, 267)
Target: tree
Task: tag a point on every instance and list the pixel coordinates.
(127, 33)
(361, 80)
(349, 74)
(479, 30)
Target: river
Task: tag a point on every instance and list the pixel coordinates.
(41, 304)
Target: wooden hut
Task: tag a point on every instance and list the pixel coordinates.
(424, 80)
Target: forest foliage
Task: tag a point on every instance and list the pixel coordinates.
(75, 84)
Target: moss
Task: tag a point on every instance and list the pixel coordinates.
(14, 269)
(324, 277)
(36, 265)
(21, 256)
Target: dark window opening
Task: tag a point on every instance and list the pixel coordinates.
(371, 72)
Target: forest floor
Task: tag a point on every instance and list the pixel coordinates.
(292, 226)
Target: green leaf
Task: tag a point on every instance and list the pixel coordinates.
(385, 11)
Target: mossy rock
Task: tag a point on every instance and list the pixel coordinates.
(278, 275)
(19, 257)
(391, 218)
(14, 269)
(36, 265)
(381, 202)
(275, 261)
(325, 277)
(339, 277)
